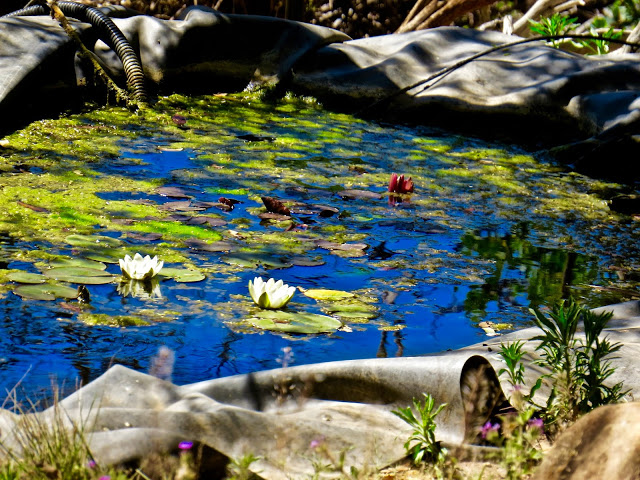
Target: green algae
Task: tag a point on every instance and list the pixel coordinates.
(243, 147)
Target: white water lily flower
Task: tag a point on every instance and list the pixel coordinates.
(270, 294)
(139, 268)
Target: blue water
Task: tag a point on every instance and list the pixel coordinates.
(441, 271)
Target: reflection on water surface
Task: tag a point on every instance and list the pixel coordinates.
(487, 233)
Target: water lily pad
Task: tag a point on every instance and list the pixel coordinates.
(26, 277)
(252, 260)
(81, 275)
(182, 275)
(359, 194)
(327, 295)
(108, 255)
(295, 322)
(307, 262)
(46, 291)
(112, 320)
(353, 310)
(77, 262)
(76, 271)
(216, 246)
(92, 241)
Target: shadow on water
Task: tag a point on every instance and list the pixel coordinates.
(423, 269)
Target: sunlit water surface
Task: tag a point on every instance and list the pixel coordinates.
(487, 234)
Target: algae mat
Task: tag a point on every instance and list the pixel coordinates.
(225, 188)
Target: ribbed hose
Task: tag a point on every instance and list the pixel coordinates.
(107, 31)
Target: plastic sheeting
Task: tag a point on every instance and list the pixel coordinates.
(530, 93)
(275, 415)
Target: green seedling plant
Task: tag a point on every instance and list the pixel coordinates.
(422, 445)
(578, 368)
(324, 461)
(238, 468)
(600, 46)
(512, 354)
(554, 25)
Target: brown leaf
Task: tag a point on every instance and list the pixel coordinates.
(145, 237)
(273, 216)
(179, 120)
(35, 208)
(209, 247)
(181, 205)
(341, 246)
(275, 206)
(359, 194)
(229, 202)
(173, 192)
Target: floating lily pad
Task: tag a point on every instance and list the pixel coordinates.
(307, 262)
(355, 310)
(82, 275)
(77, 262)
(26, 277)
(92, 241)
(360, 194)
(182, 275)
(46, 291)
(294, 322)
(76, 271)
(107, 255)
(112, 320)
(201, 245)
(252, 260)
(328, 295)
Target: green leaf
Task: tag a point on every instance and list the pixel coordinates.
(93, 241)
(294, 322)
(77, 262)
(26, 277)
(46, 291)
(252, 260)
(182, 275)
(81, 275)
(327, 295)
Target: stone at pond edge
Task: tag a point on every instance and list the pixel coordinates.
(604, 444)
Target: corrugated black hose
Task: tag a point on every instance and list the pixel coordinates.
(107, 32)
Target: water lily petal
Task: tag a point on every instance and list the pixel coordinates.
(270, 294)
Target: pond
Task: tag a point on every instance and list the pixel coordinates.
(488, 232)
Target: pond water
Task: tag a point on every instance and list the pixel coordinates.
(488, 232)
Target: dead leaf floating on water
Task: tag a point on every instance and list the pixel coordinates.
(227, 204)
(357, 194)
(341, 246)
(173, 192)
(179, 120)
(35, 208)
(275, 206)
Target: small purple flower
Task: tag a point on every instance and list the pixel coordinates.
(185, 445)
(488, 428)
(105, 477)
(315, 443)
(91, 464)
(536, 423)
